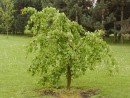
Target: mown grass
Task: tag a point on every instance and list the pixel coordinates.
(16, 82)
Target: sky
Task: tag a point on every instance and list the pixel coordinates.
(94, 2)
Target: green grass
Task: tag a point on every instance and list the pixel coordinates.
(16, 82)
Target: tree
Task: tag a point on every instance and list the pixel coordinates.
(59, 49)
(101, 15)
(6, 14)
(75, 10)
(47, 3)
(20, 20)
(88, 14)
(120, 9)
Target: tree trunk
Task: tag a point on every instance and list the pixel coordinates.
(122, 12)
(122, 39)
(7, 32)
(76, 17)
(68, 77)
(15, 27)
(115, 37)
(103, 10)
(103, 19)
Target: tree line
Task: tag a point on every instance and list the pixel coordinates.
(90, 16)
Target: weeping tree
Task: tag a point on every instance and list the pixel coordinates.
(59, 50)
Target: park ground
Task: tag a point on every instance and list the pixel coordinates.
(16, 82)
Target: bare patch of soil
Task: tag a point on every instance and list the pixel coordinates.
(49, 92)
(88, 93)
(74, 94)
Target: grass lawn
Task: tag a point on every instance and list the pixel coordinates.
(16, 82)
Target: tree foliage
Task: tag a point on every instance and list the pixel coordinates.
(75, 10)
(101, 15)
(6, 14)
(59, 49)
(20, 20)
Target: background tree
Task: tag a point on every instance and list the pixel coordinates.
(59, 49)
(102, 16)
(47, 3)
(75, 10)
(120, 9)
(20, 20)
(91, 16)
(6, 14)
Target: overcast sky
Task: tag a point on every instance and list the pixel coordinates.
(94, 2)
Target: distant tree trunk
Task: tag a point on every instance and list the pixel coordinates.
(103, 19)
(103, 10)
(115, 33)
(122, 12)
(115, 36)
(68, 77)
(122, 38)
(15, 31)
(7, 31)
(76, 17)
